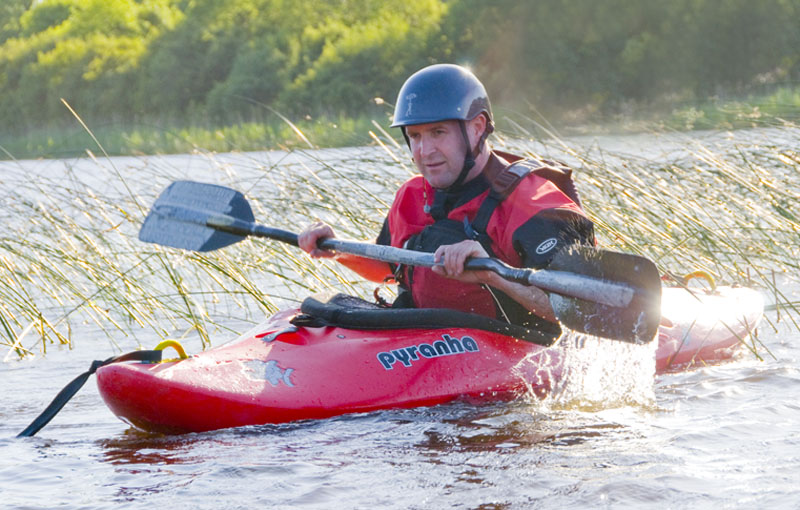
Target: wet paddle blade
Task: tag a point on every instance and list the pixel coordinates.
(179, 218)
(637, 322)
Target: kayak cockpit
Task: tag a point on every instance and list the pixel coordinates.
(341, 310)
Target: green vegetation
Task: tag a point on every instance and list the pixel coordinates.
(157, 76)
(212, 64)
(175, 137)
(754, 111)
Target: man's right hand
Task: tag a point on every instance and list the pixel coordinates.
(308, 238)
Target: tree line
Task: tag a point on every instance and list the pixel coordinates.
(223, 61)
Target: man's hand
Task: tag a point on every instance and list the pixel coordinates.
(452, 258)
(307, 239)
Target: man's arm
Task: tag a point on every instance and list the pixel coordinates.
(369, 269)
(372, 270)
(533, 299)
(536, 241)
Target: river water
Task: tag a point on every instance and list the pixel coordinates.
(725, 436)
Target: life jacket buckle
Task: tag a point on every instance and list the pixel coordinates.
(469, 231)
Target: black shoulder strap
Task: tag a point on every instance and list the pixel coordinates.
(501, 187)
(507, 180)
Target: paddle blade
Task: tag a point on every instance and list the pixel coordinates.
(179, 217)
(637, 322)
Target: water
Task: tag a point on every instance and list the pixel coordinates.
(726, 436)
(723, 437)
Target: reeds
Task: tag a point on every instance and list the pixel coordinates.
(69, 252)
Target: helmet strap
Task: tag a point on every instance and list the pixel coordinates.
(486, 132)
(469, 157)
(408, 141)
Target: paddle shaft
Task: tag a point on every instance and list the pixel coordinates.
(560, 282)
(594, 291)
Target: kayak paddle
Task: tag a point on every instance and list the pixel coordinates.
(599, 292)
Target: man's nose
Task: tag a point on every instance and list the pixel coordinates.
(425, 146)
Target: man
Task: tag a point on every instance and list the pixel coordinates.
(469, 201)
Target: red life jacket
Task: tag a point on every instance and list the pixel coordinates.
(519, 192)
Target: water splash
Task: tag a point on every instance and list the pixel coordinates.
(598, 374)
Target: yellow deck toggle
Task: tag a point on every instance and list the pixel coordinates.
(175, 345)
(702, 275)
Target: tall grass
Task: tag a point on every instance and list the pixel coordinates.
(69, 252)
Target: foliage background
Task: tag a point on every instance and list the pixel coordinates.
(222, 62)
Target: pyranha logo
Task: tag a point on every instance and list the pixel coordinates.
(447, 346)
(546, 245)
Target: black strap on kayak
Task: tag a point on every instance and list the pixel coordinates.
(354, 313)
(72, 388)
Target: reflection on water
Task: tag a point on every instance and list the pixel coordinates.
(137, 447)
(512, 427)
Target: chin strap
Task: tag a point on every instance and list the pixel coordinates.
(469, 157)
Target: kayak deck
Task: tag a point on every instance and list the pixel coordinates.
(279, 372)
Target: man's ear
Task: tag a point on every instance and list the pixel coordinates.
(478, 125)
(476, 128)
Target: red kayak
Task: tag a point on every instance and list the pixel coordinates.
(298, 366)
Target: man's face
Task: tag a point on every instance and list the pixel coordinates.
(438, 149)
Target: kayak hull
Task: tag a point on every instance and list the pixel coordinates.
(312, 373)
(279, 373)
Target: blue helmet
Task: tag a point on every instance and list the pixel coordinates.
(441, 92)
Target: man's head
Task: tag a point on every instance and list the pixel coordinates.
(436, 103)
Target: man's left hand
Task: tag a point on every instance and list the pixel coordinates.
(451, 259)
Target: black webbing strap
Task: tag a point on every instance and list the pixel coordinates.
(501, 186)
(482, 217)
(72, 388)
(353, 313)
(469, 158)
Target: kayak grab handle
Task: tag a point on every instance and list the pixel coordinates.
(700, 275)
(175, 345)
